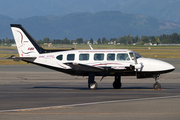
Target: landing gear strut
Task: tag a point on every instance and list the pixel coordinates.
(157, 85)
(117, 82)
(91, 83)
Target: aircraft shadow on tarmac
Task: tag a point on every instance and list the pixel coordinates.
(100, 88)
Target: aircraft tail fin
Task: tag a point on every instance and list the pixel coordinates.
(26, 45)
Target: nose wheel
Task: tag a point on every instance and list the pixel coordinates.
(157, 85)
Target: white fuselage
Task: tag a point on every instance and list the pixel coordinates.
(120, 59)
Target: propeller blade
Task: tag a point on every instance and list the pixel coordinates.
(135, 59)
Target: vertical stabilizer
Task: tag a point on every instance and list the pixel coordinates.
(26, 45)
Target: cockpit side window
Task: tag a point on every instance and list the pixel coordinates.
(123, 57)
(132, 55)
(59, 57)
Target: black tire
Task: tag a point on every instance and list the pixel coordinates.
(117, 85)
(92, 86)
(157, 86)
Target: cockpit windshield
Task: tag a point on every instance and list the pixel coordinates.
(132, 55)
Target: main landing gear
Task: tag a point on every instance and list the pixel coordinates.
(157, 85)
(117, 82)
(91, 83)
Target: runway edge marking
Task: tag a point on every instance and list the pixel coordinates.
(83, 104)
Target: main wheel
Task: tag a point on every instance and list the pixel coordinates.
(92, 86)
(117, 85)
(157, 86)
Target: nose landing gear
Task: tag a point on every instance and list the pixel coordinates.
(157, 85)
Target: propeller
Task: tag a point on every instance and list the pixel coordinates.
(137, 66)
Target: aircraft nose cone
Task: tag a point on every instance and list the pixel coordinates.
(158, 65)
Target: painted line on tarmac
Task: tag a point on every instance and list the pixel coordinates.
(45, 113)
(85, 104)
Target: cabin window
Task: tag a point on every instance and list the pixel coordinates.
(59, 57)
(98, 56)
(70, 57)
(123, 56)
(111, 56)
(84, 57)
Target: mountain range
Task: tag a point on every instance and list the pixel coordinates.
(167, 10)
(108, 24)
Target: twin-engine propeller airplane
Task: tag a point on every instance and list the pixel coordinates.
(91, 63)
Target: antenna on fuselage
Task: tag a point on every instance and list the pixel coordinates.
(90, 45)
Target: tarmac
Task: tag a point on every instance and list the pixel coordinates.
(32, 92)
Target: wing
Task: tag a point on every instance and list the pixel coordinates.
(83, 67)
(88, 68)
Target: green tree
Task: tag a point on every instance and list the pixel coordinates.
(118, 40)
(140, 42)
(175, 38)
(0, 41)
(86, 41)
(99, 41)
(162, 37)
(135, 40)
(104, 41)
(153, 39)
(145, 39)
(158, 41)
(12, 41)
(91, 41)
(46, 40)
(166, 41)
(66, 41)
(79, 40)
(40, 42)
(72, 41)
(129, 41)
(3, 41)
(123, 40)
(7, 41)
(113, 39)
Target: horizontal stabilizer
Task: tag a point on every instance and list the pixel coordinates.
(27, 59)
